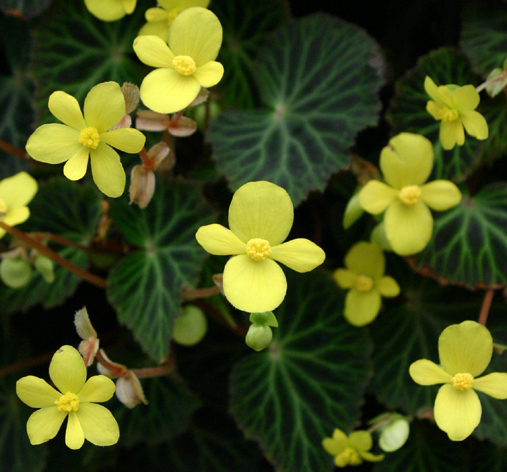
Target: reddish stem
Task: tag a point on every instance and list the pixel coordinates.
(486, 305)
(10, 149)
(200, 292)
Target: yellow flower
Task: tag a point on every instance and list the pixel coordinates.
(80, 138)
(15, 194)
(350, 450)
(159, 18)
(260, 218)
(365, 278)
(465, 351)
(110, 10)
(455, 106)
(185, 63)
(76, 399)
(406, 164)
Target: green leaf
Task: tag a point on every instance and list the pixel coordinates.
(69, 210)
(427, 449)
(145, 287)
(469, 242)
(318, 90)
(74, 51)
(246, 24)
(170, 407)
(408, 111)
(27, 8)
(310, 380)
(486, 457)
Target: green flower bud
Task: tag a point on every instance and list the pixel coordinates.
(394, 434)
(15, 272)
(190, 327)
(45, 267)
(353, 212)
(258, 337)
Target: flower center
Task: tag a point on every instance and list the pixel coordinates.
(258, 249)
(3, 208)
(410, 195)
(363, 283)
(462, 381)
(172, 14)
(448, 114)
(185, 65)
(89, 137)
(68, 402)
(351, 456)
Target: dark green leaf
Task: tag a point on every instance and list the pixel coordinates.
(318, 90)
(309, 381)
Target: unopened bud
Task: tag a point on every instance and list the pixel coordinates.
(157, 153)
(129, 390)
(190, 327)
(353, 211)
(15, 272)
(142, 186)
(183, 127)
(395, 434)
(148, 120)
(90, 342)
(379, 236)
(258, 337)
(113, 370)
(202, 96)
(131, 95)
(45, 267)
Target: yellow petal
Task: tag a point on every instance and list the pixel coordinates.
(433, 109)
(44, 424)
(494, 385)
(408, 228)
(153, 51)
(451, 132)
(331, 446)
(167, 91)
(107, 171)
(67, 370)
(337, 444)
(170, 4)
(457, 412)
(66, 108)
(407, 160)
(361, 308)
(53, 143)
(219, 241)
(18, 190)
(74, 436)
(98, 388)
(366, 259)
(436, 93)
(376, 196)
(344, 278)
(425, 372)
(16, 216)
(155, 28)
(261, 210)
(110, 10)
(466, 98)
(361, 440)
(99, 425)
(465, 348)
(209, 74)
(254, 286)
(75, 167)
(368, 456)
(475, 124)
(440, 195)
(129, 6)
(104, 106)
(158, 15)
(299, 254)
(388, 287)
(36, 392)
(125, 139)
(196, 32)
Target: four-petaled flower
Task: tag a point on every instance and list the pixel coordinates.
(406, 164)
(110, 10)
(15, 194)
(76, 399)
(184, 64)
(82, 138)
(159, 18)
(455, 106)
(350, 450)
(365, 278)
(260, 218)
(465, 351)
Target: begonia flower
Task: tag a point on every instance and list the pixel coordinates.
(465, 350)
(350, 450)
(160, 18)
(455, 106)
(185, 63)
(260, 219)
(75, 399)
(16, 193)
(367, 284)
(82, 138)
(406, 164)
(110, 10)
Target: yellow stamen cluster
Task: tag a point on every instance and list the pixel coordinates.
(258, 249)
(172, 14)
(462, 381)
(89, 137)
(185, 65)
(68, 402)
(410, 195)
(448, 114)
(363, 283)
